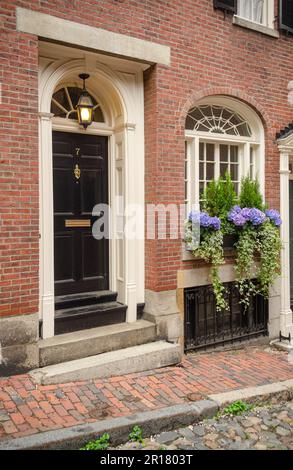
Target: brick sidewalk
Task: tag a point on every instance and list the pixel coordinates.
(27, 408)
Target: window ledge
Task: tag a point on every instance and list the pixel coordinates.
(186, 255)
(237, 20)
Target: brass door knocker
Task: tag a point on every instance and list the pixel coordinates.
(77, 172)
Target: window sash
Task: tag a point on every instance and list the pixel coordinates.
(248, 164)
(257, 11)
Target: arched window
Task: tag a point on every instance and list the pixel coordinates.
(222, 135)
(218, 120)
(64, 101)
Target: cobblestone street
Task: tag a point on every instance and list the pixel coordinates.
(268, 427)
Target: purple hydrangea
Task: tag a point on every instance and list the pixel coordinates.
(215, 223)
(246, 213)
(233, 213)
(257, 217)
(206, 221)
(194, 217)
(274, 216)
(239, 216)
(239, 220)
(236, 209)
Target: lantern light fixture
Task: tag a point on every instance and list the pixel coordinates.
(85, 107)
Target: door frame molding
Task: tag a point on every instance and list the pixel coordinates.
(123, 93)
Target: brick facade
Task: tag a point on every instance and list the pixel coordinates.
(209, 55)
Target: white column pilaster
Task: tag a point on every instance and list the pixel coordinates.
(130, 244)
(46, 225)
(285, 314)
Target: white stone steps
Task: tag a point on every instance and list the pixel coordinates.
(84, 343)
(123, 361)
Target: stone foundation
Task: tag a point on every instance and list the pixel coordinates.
(19, 349)
(161, 308)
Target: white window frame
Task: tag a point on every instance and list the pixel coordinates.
(267, 16)
(245, 144)
(217, 162)
(267, 26)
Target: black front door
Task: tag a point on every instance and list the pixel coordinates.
(80, 173)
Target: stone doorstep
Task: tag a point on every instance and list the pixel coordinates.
(122, 361)
(84, 343)
(282, 345)
(152, 422)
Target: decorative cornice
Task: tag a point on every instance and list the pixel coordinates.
(88, 37)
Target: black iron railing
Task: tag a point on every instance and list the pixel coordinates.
(205, 327)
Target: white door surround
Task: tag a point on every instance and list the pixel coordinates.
(120, 92)
(286, 160)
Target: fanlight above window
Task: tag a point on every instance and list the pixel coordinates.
(217, 120)
(64, 103)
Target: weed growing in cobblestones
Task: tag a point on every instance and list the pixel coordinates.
(99, 444)
(136, 435)
(235, 409)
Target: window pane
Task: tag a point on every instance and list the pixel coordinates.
(60, 97)
(98, 115)
(234, 153)
(58, 112)
(223, 153)
(234, 172)
(201, 171)
(73, 115)
(251, 163)
(210, 155)
(223, 168)
(201, 189)
(251, 9)
(201, 151)
(210, 171)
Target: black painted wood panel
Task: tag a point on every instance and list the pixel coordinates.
(80, 261)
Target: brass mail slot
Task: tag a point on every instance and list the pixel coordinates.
(77, 223)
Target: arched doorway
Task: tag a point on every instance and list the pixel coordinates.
(118, 136)
(80, 182)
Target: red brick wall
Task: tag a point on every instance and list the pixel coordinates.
(19, 198)
(208, 55)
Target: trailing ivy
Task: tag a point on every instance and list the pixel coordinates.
(246, 247)
(211, 250)
(269, 246)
